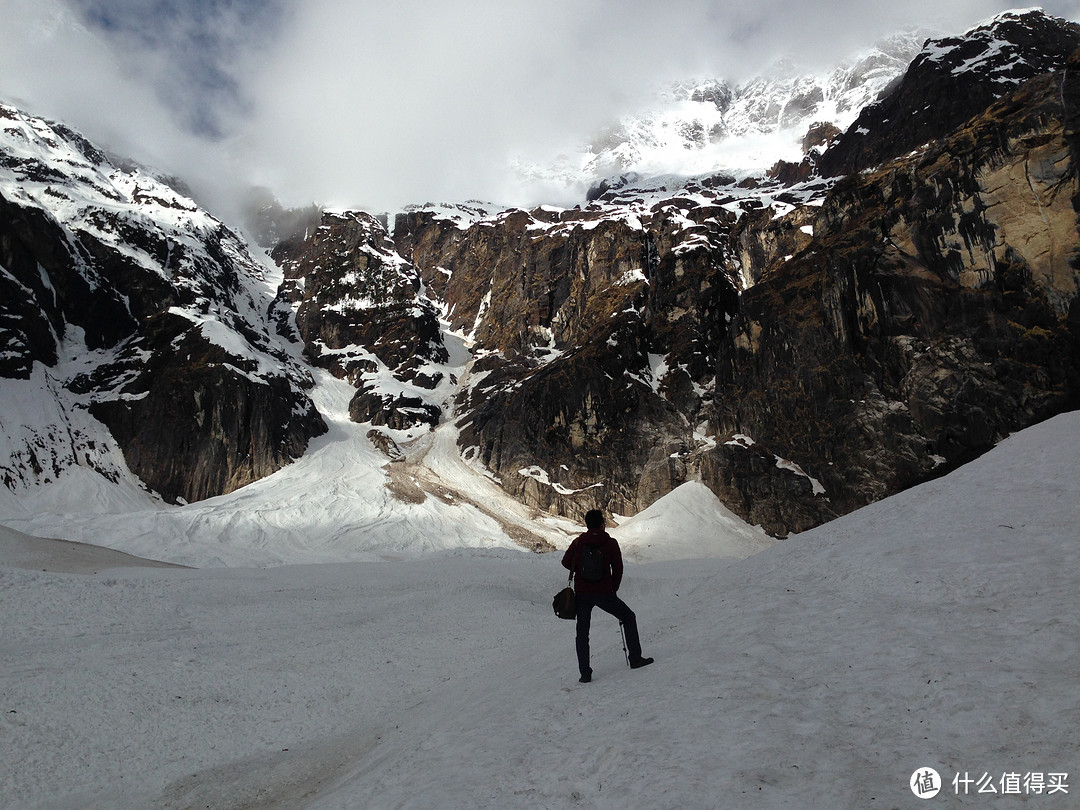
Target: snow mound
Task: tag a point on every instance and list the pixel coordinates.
(688, 522)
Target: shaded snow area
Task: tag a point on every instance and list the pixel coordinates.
(331, 505)
(936, 629)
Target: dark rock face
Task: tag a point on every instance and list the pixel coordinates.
(199, 422)
(930, 316)
(30, 316)
(804, 346)
(907, 324)
(952, 80)
(763, 488)
(359, 315)
(573, 314)
(801, 360)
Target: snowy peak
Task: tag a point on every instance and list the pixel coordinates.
(55, 168)
(140, 224)
(1008, 49)
(788, 98)
(950, 81)
(710, 125)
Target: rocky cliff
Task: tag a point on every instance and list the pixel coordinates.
(359, 313)
(803, 350)
(949, 81)
(934, 311)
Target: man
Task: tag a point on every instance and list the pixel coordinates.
(597, 588)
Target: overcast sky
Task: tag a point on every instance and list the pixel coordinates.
(379, 104)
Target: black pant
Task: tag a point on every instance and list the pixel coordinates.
(610, 603)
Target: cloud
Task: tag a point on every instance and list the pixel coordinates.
(55, 66)
(376, 105)
(384, 104)
(407, 102)
(186, 51)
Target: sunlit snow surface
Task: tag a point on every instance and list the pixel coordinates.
(938, 628)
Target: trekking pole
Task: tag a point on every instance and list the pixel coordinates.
(622, 633)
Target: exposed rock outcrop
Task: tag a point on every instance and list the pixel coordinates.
(803, 352)
(803, 345)
(592, 333)
(359, 315)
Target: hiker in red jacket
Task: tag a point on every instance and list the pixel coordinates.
(595, 585)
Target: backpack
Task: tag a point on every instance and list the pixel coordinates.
(592, 565)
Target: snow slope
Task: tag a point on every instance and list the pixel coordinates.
(341, 501)
(936, 629)
(332, 504)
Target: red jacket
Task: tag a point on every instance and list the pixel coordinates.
(612, 577)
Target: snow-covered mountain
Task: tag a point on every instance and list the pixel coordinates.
(710, 125)
(124, 300)
(974, 70)
(141, 337)
(495, 373)
(718, 361)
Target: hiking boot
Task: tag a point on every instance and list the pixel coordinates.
(638, 663)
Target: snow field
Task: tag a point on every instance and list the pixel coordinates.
(937, 629)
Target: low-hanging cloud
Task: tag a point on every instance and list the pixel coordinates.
(378, 105)
(419, 101)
